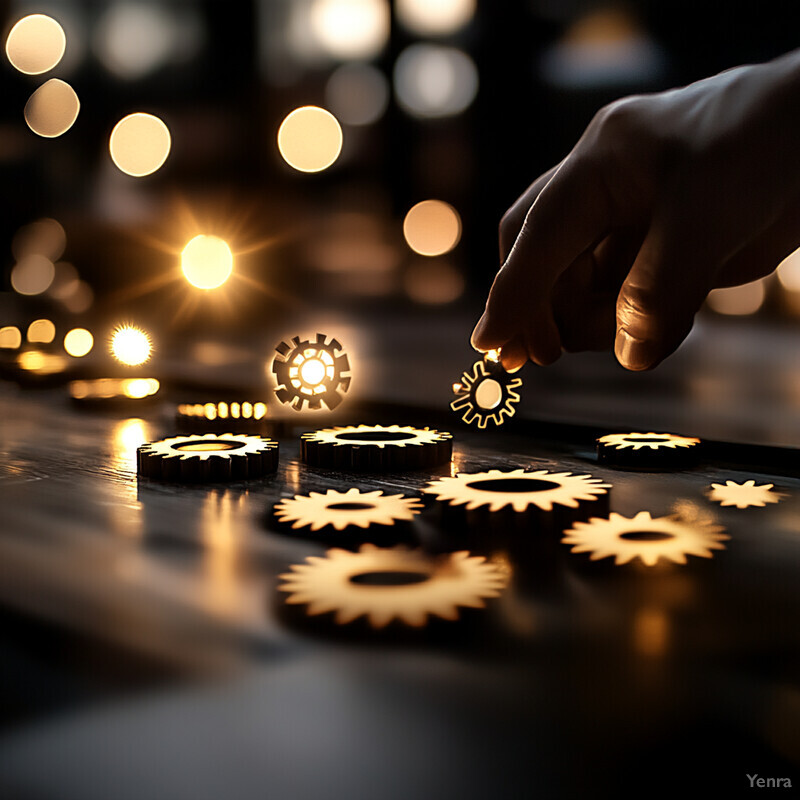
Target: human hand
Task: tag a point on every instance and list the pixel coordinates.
(664, 197)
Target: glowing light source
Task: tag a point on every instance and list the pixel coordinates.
(35, 44)
(432, 228)
(434, 17)
(789, 272)
(130, 345)
(44, 237)
(10, 337)
(433, 282)
(41, 330)
(78, 342)
(52, 109)
(357, 94)
(207, 262)
(434, 81)
(32, 274)
(140, 144)
(41, 363)
(351, 29)
(738, 300)
(138, 388)
(310, 139)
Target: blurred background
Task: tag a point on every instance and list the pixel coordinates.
(440, 113)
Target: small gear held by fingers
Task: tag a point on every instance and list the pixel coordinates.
(222, 416)
(647, 451)
(207, 458)
(377, 448)
(537, 498)
(645, 537)
(341, 510)
(311, 372)
(744, 495)
(386, 584)
(486, 394)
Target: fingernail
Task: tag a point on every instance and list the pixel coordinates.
(478, 333)
(632, 353)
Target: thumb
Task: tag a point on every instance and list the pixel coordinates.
(666, 285)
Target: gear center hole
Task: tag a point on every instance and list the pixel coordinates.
(489, 394)
(207, 446)
(375, 436)
(646, 439)
(349, 506)
(389, 578)
(646, 536)
(513, 485)
(312, 372)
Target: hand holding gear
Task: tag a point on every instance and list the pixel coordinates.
(486, 394)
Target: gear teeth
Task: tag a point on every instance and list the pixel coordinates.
(466, 402)
(376, 448)
(651, 452)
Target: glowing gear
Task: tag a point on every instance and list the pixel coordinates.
(743, 495)
(486, 394)
(518, 489)
(648, 538)
(376, 447)
(207, 458)
(345, 509)
(646, 450)
(311, 372)
(384, 584)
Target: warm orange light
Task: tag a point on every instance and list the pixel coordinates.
(41, 330)
(130, 345)
(789, 272)
(738, 300)
(137, 388)
(41, 363)
(310, 139)
(207, 262)
(434, 17)
(432, 228)
(52, 109)
(139, 144)
(10, 337)
(351, 29)
(35, 44)
(78, 342)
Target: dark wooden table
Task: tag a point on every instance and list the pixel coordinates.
(146, 653)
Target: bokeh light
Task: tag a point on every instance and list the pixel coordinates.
(41, 363)
(351, 29)
(434, 17)
(10, 337)
(433, 282)
(65, 282)
(130, 345)
(44, 237)
(432, 228)
(32, 274)
(738, 301)
(434, 81)
(310, 139)
(357, 94)
(42, 331)
(789, 272)
(140, 144)
(52, 109)
(207, 262)
(35, 44)
(80, 299)
(137, 388)
(78, 342)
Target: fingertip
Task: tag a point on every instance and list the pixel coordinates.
(514, 355)
(634, 353)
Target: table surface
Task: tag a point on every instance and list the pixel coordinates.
(149, 652)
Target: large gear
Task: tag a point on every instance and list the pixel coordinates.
(538, 498)
(223, 416)
(647, 451)
(206, 458)
(311, 372)
(385, 584)
(743, 495)
(377, 448)
(645, 537)
(341, 510)
(486, 394)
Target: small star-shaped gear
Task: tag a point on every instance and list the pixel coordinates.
(744, 495)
